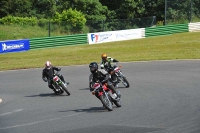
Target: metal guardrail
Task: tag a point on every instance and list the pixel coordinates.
(55, 41)
(165, 30)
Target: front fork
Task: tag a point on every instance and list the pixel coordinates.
(119, 76)
(104, 92)
(56, 85)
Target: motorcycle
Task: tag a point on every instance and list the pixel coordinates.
(59, 86)
(117, 76)
(105, 95)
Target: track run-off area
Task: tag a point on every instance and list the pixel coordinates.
(163, 97)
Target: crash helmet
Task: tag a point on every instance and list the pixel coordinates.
(104, 57)
(48, 64)
(93, 67)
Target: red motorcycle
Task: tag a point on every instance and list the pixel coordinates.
(105, 95)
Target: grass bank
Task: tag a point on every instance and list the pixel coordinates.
(12, 32)
(171, 47)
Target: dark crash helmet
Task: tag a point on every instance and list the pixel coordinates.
(93, 67)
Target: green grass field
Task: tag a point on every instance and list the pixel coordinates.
(171, 47)
(12, 32)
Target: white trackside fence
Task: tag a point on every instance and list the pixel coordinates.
(110, 36)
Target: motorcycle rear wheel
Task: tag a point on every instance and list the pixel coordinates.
(106, 102)
(59, 91)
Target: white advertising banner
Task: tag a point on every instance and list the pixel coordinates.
(110, 36)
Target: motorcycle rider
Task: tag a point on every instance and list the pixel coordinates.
(100, 75)
(48, 73)
(106, 64)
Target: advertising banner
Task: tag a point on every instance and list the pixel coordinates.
(100, 37)
(128, 34)
(110, 36)
(14, 46)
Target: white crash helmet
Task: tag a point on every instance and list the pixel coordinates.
(48, 64)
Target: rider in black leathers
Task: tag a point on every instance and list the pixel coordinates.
(100, 75)
(48, 73)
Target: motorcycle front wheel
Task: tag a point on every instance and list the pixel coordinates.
(106, 102)
(118, 103)
(125, 82)
(65, 88)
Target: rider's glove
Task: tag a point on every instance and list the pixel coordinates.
(59, 69)
(114, 60)
(45, 80)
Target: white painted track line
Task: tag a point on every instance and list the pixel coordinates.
(8, 113)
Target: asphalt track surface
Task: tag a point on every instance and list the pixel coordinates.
(164, 97)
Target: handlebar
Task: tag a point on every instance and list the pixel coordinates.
(57, 72)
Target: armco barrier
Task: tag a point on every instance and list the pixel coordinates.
(166, 30)
(55, 41)
(194, 27)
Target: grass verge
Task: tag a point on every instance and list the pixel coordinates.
(171, 47)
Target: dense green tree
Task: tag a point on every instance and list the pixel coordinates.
(92, 9)
(5, 8)
(18, 8)
(63, 5)
(136, 8)
(102, 9)
(125, 9)
(196, 9)
(154, 8)
(72, 17)
(21, 8)
(44, 8)
(181, 10)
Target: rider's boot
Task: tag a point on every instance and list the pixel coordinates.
(62, 78)
(116, 94)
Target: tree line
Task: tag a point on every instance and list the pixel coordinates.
(94, 9)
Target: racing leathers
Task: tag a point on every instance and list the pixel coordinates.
(102, 76)
(106, 64)
(47, 75)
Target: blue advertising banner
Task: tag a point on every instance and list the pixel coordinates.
(14, 46)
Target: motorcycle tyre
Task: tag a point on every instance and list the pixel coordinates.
(126, 81)
(90, 85)
(114, 78)
(65, 88)
(57, 92)
(108, 107)
(118, 103)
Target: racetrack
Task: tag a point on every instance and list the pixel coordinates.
(164, 97)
